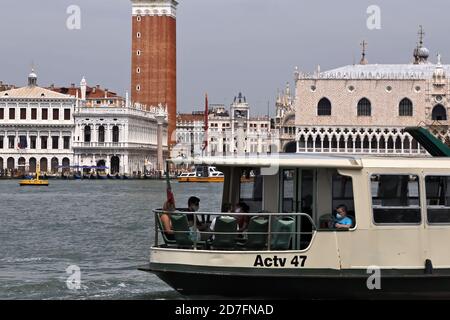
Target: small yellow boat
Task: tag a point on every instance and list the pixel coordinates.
(34, 182)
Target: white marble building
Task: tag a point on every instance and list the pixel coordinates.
(60, 132)
(36, 128)
(229, 132)
(122, 139)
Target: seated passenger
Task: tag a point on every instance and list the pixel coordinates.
(341, 220)
(168, 208)
(226, 208)
(194, 206)
(243, 220)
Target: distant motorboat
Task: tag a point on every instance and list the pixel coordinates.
(202, 174)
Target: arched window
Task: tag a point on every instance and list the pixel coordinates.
(324, 107)
(439, 113)
(115, 165)
(87, 134)
(364, 108)
(115, 134)
(66, 165)
(54, 165)
(405, 108)
(43, 164)
(101, 134)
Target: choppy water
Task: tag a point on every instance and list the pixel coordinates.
(104, 227)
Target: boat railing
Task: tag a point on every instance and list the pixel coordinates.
(200, 237)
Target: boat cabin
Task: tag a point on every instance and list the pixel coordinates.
(399, 210)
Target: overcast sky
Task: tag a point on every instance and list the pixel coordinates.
(224, 46)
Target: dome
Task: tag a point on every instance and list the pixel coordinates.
(423, 52)
(32, 79)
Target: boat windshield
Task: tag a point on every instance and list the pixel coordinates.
(292, 202)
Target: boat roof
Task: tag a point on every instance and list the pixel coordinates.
(318, 161)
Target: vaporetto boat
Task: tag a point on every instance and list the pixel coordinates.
(397, 245)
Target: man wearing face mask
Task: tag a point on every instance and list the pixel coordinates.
(341, 220)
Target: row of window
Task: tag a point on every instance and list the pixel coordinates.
(23, 143)
(364, 108)
(101, 134)
(396, 199)
(34, 114)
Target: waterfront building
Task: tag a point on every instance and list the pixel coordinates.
(99, 132)
(229, 132)
(123, 139)
(36, 128)
(363, 108)
(153, 71)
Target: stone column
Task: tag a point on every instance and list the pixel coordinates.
(160, 161)
(126, 164)
(108, 164)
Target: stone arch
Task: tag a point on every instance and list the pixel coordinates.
(21, 165)
(382, 143)
(87, 134)
(43, 163)
(341, 142)
(364, 108)
(324, 107)
(101, 134)
(11, 163)
(115, 165)
(390, 142)
(407, 143)
(374, 143)
(101, 165)
(326, 143)
(439, 113)
(32, 165)
(366, 143)
(65, 165)
(54, 165)
(115, 134)
(310, 142)
(405, 108)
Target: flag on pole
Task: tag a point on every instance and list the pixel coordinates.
(205, 139)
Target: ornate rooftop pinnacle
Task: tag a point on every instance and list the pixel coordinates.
(32, 79)
(363, 54)
(421, 53)
(439, 72)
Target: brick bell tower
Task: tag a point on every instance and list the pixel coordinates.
(154, 64)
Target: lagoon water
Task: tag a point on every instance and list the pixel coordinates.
(103, 227)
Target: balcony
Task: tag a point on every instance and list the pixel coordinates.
(112, 145)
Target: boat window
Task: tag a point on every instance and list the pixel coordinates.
(438, 199)
(343, 195)
(395, 199)
(288, 191)
(251, 189)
